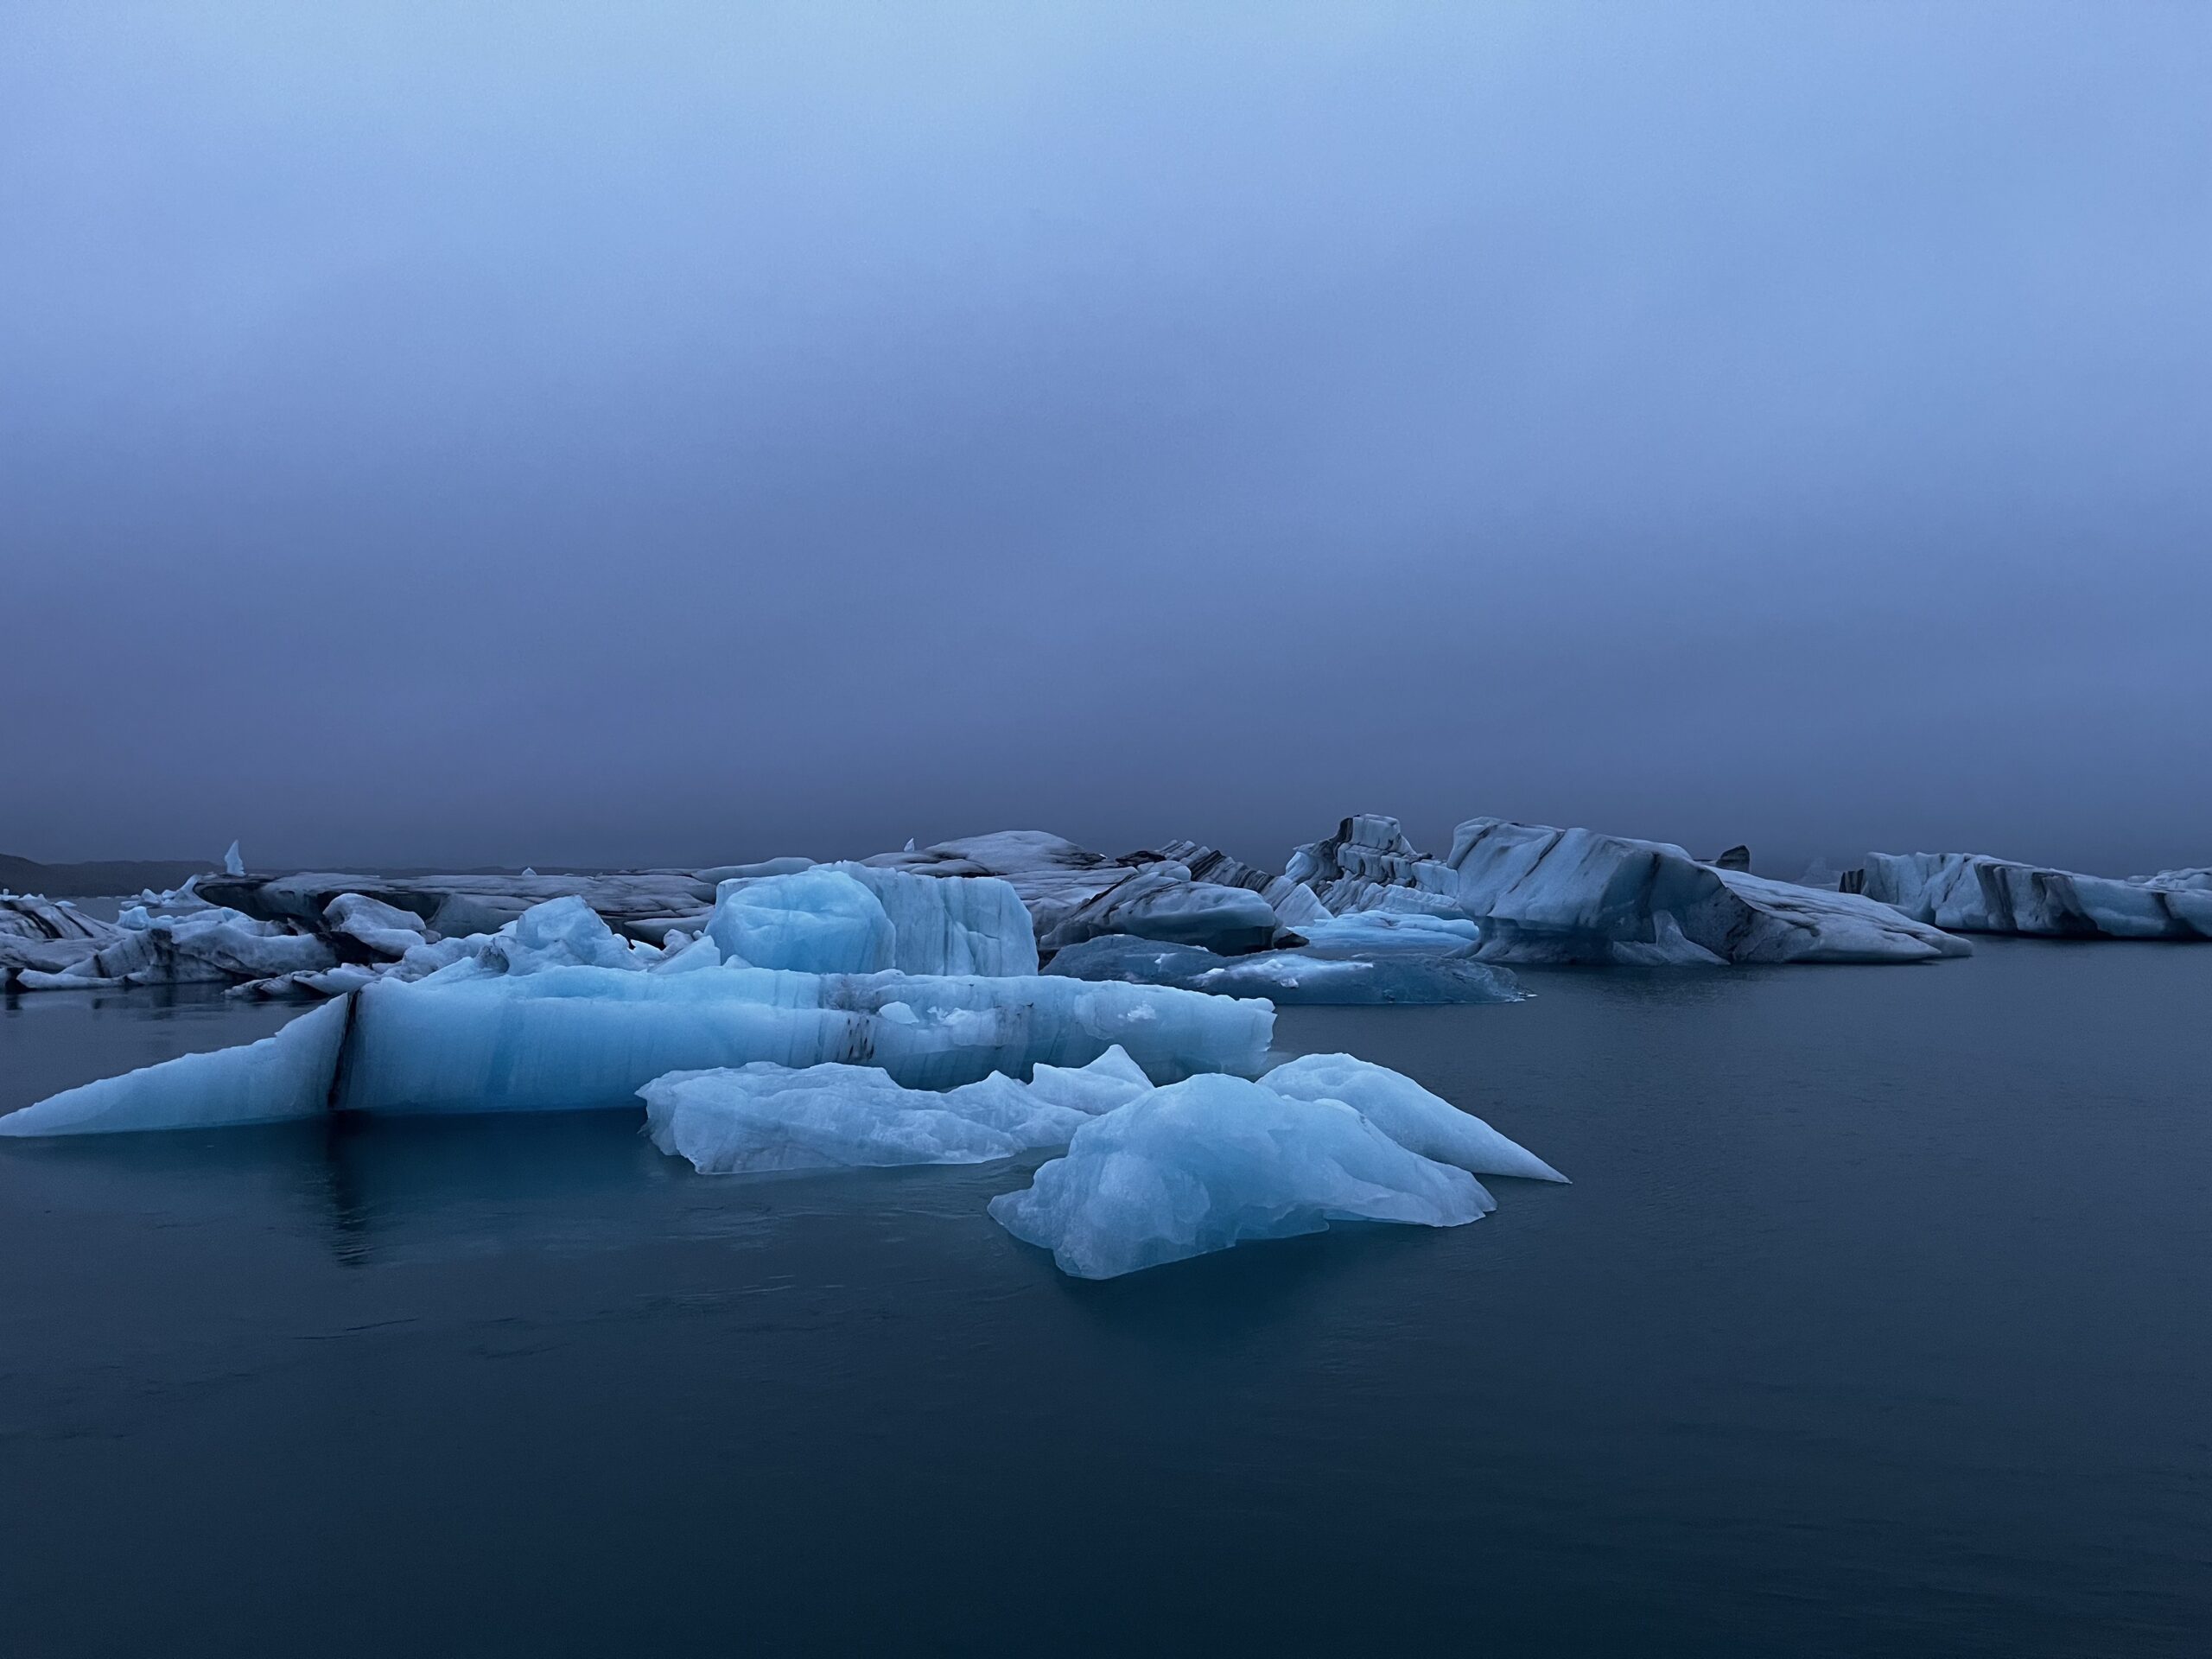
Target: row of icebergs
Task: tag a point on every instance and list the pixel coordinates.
(986, 998)
(1360, 916)
(836, 1017)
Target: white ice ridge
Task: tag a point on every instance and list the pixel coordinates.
(1539, 894)
(1215, 1162)
(286, 1076)
(761, 1117)
(1973, 892)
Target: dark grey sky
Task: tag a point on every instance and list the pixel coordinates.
(641, 432)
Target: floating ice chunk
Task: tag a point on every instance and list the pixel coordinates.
(1370, 863)
(560, 933)
(1974, 893)
(329, 981)
(1163, 903)
(762, 1117)
(814, 921)
(1292, 977)
(718, 873)
(204, 945)
(1544, 895)
(1409, 1114)
(1293, 902)
(1390, 930)
(571, 1038)
(41, 940)
(1576, 894)
(1073, 893)
(854, 919)
(232, 864)
(1209, 1163)
(680, 955)
(640, 903)
(1113, 1079)
(287, 1074)
(949, 924)
(381, 930)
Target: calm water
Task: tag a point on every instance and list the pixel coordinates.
(1876, 1322)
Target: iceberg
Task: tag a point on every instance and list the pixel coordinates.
(287, 1075)
(498, 1035)
(1444, 974)
(1539, 894)
(205, 944)
(1409, 1114)
(1368, 865)
(1073, 894)
(1215, 1162)
(1113, 1079)
(1293, 902)
(45, 938)
(761, 1117)
(642, 905)
(379, 931)
(852, 919)
(814, 921)
(1973, 893)
(569, 1037)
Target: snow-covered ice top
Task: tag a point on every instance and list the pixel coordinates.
(1973, 892)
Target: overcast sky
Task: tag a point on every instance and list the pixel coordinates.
(641, 432)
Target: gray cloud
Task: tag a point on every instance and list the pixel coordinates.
(694, 432)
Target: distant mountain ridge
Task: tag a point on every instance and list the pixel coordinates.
(97, 877)
(102, 878)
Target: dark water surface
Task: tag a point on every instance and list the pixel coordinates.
(1879, 1320)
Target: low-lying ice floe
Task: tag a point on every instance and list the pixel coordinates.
(1151, 1175)
(1973, 893)
(1439, 974)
